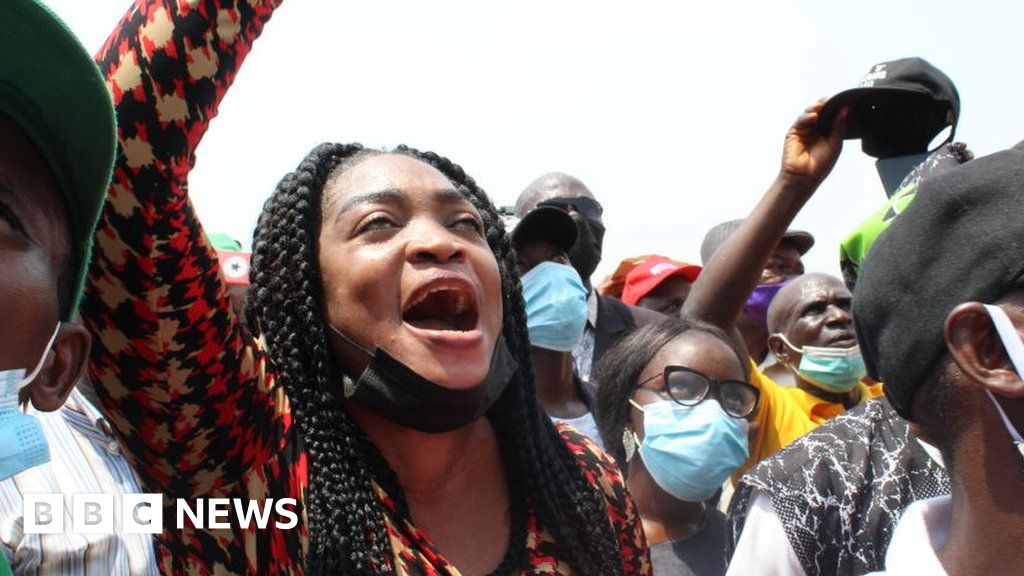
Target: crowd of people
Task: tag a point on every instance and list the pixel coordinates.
(445, 388)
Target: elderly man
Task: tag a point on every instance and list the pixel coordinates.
(608, 320)
(940, 311)
(56, 152)
(811, 335)
(849, 478)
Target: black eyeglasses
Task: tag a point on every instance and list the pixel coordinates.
(689, 387)
(588, 207)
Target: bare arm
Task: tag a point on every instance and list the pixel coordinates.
(180, 379)
(734, 269)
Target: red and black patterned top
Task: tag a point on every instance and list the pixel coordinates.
(188, 389)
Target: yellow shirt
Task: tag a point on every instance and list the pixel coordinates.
(787, 413)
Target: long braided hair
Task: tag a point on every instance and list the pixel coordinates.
(347, 528)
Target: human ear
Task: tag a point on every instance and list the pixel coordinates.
(779, 348)
(974, 345)
(65, 363)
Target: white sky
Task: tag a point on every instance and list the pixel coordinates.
(671, 111)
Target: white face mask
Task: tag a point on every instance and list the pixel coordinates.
(1015, 350)
(22, 443)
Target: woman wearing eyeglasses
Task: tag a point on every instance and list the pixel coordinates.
(674, 408)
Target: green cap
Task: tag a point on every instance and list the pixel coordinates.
(223, 241)
(52, 89)
(854, 249)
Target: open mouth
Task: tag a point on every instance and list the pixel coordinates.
(442, 306)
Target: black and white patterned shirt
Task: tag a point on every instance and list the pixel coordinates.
(840, 490)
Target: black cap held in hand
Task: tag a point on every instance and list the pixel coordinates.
(908, 97)
(961, 240)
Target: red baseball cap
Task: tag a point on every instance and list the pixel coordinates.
(650, 273)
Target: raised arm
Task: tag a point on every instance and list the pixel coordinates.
(733, 271)
(178, 376)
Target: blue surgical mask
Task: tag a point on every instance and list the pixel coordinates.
(556, 306)
(691, 451)
(22, 443)
(835, 370)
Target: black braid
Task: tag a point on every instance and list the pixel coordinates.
(347, 529)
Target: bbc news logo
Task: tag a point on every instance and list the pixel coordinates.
(143, 513)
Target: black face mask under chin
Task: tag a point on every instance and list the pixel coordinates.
(395, 392)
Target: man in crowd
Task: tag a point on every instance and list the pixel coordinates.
(939, 309)
(608, 320)
(811, 335)
(556, 313)
(57, 141)
(833, 493)
(660, 284)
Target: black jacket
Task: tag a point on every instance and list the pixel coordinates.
(614, 320)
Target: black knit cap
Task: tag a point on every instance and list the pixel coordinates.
(961, 240)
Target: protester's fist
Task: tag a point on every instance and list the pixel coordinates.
(808, 156)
